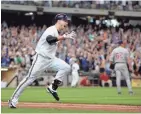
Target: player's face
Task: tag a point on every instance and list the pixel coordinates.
(63, 25)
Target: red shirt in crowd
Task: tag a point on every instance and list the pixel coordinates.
(84, 82)
(104, 77)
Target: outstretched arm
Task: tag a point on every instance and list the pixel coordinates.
(51, 39)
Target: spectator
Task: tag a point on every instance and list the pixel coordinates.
(102, 61)
(5, 60)
(68, 58)
(84, 81)
(12, 65)
(85, 63)
(107, 67)
(105, 79)
(27, 57)
(19, 59)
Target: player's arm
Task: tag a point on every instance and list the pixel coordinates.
(51, 39)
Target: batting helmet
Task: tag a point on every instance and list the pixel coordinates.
(61, 16)
(120, 42)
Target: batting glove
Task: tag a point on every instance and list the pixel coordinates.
(71, 35)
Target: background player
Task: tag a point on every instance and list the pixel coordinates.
(75, 71)
(45, 58)
(120, 57)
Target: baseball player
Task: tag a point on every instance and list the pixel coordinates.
(75, 68)
(45, 58)
(120, 57)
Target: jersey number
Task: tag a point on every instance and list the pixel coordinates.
(119, 55)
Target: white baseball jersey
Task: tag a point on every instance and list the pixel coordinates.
(120, 55)
(45, 49)
(72, 61)
(75, 67)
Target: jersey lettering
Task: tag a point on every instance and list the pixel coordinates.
(119, 55)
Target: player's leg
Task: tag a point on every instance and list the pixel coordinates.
(110, 83)
(35, 70)
(103, 83)
(75, 80)
(118, 81)
(126, 74)
(20, 88)
(63, 69)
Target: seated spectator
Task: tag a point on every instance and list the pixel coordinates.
(84, 81)
(105, 79)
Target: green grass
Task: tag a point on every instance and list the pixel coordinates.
(48, 110)
(89, 95)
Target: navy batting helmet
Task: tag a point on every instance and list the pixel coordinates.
(120, 42)
(61, 16)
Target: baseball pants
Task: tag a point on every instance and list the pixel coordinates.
(39, 65)
(75, 79)
(122, 70)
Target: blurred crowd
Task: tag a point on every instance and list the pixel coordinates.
(99, 4)
(92, 46)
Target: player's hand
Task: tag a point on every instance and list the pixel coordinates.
(71, 35)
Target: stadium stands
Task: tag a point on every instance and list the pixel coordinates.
(92, 46)
(101, 4)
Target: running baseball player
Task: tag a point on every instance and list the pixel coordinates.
(45, 58)
(120, 57)
(75, 71)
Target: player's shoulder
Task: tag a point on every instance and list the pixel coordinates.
(76, 65)
(126, 50)
(51, 27)
(115, 49)
(119, 48)
(50, 30)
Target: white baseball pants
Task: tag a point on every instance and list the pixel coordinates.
(75, 78)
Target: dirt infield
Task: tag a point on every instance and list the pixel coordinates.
(116, 108)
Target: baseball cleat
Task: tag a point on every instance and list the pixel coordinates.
(131, 93)
(119, 93)
(10, 104)
(53, 92)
